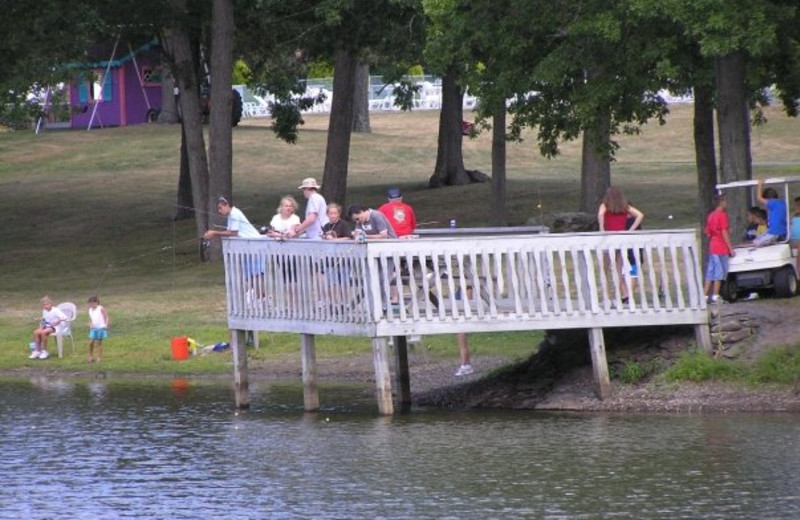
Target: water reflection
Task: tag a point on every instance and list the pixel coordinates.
(178, 449)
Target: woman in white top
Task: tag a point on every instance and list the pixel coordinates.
(285, 220)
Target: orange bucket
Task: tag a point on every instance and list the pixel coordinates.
(180, 348)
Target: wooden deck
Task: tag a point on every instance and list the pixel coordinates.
(460, 282)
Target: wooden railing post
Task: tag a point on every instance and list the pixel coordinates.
(383, 378)
(401, 372)
(241, 387)
(702, 335)
(309, 359)
(597, 347)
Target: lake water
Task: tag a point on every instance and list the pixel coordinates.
(80, 449)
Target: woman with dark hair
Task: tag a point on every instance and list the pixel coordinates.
(613, 215)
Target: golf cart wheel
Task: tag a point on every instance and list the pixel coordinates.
(785, 282)
(729, 290)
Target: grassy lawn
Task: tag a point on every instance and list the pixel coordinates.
(89, 212)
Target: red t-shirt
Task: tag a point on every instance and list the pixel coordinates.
(716, 223)
(400, 216)
(615, 221)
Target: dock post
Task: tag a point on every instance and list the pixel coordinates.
(597, 347)
(702, 335)
(241, 388)
(309, 358)
(383, 377)
(402, 373)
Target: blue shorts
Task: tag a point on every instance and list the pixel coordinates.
(717, 269)
(98, 334)
(253, 266)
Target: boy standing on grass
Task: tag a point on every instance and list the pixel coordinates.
(720, 249)
(98, 327)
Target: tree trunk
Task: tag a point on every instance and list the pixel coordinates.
(189, 99)
(705, 157)
(361, 100)
(595, 162)
(169, 109)
(733, 123)
(498, 212)
(340, 126)
(449, 167)
(220, 151)
(184, 206)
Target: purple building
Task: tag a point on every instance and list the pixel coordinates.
(118, 86)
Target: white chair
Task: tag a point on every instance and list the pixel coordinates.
(64, 329)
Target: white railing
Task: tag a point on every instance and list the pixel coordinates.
(464, 283)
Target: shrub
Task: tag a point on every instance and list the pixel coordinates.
(778, 365)
(632, 373)
(696, 365)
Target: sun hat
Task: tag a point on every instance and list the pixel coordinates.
(309, 182)
(394, 193)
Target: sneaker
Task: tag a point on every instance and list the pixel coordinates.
(751, 296)
(34, 355)
(716, 299)
(44, 355)
(464, 370)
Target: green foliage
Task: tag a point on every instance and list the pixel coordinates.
(320, 68)
(778, 365)
(241, 73)
(698, 366)
(287, 115)
(632, 373)
(415, 70)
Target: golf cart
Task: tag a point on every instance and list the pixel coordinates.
(768, 267)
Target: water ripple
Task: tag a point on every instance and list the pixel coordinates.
(83, 449)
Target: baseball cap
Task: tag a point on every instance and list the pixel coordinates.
(394, 193)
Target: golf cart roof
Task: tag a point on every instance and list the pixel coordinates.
(773, 180)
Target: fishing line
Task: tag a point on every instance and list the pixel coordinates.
(119, 263)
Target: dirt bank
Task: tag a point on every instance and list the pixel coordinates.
(562, 380)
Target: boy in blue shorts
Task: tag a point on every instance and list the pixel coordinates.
(98, 328)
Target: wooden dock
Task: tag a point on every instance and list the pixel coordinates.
(458, 282)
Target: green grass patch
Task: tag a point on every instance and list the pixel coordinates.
(632, 373)
(698, 366)
(778, 365)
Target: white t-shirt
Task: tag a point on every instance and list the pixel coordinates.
(238, 222)
(282, 225)
(96, 319)
(53, 317)
(316, 204)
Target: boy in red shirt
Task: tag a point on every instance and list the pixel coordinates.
(720, 248)
(399, 214)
